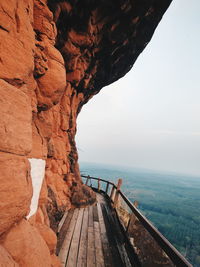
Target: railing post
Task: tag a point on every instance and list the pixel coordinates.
(87, 180)
(131, 222)
(132, 217)
(99, 185)
(117, 192)
(112, 192)
(107, 188)
(135, 204)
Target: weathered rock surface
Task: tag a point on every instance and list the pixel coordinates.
(54, 56)
(48, 235)
(16, 120)
(6, 259)
(26, 246)
(15, 189)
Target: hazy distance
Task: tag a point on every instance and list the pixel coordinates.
(151, 117)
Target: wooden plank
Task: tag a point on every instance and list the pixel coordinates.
(90, 217)
(95, 214)
(90, 245)
(62, 221)
(82, 254)
(101, 221)
(63, 230)
(98, 246)
(104, 239)
(67, 241)
(73, 251)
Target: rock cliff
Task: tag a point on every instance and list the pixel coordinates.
(54, 56)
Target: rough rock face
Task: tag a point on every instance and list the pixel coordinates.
(54, 56)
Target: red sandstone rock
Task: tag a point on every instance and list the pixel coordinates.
(39, 144)
(16, 64)
(83, 195)
(5, 259)
(48, 235)
(16, 119)
(15, 189)
(26, 246)
(53, 83)
(45, 215)
(55, 261)
(39, 216)
(43, 193)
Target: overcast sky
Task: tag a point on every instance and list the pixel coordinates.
(151, 117)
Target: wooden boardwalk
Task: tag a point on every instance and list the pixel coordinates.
(91, 237)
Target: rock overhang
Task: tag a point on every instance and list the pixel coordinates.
(100, 41)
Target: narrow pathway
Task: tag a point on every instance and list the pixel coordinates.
(91, 237)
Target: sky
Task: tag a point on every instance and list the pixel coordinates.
(150, 118)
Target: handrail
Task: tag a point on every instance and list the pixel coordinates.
(169, 249)
(94, 178)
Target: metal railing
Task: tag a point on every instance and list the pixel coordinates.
(115, 195)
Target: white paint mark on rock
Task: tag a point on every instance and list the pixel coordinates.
(37, 175)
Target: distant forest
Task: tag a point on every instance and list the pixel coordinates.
(170, 201)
